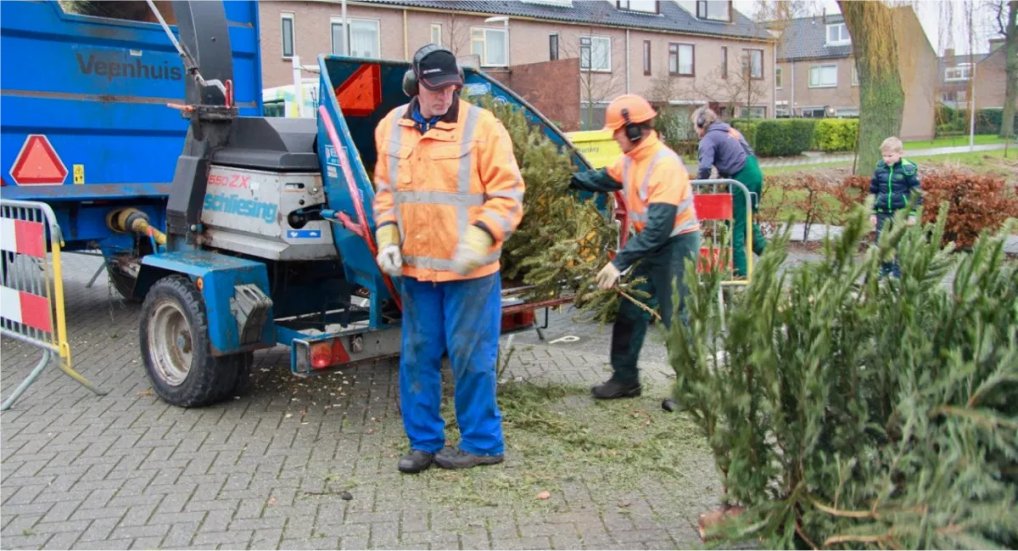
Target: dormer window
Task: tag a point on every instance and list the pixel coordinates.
(714, 10)
(643, 6)
(837, 35)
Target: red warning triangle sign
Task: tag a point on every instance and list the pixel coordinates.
(38, 164)
(360, 94)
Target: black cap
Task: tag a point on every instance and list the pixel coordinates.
(438, 69)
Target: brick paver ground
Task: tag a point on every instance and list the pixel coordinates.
(310, 463)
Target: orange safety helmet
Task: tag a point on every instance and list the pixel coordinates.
(627, 109)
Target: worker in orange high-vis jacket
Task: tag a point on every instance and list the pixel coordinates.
(448, 195)
(659, 201)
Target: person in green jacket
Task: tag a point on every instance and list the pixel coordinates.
(724, 148)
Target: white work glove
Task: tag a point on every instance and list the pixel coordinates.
(911, 220)
(390, 260)
(471, 250)
(873, 221)
(608, 276)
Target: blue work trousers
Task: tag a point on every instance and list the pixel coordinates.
(463, 319)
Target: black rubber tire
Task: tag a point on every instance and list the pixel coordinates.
(175, 347)
(123, 283)
(241, 381)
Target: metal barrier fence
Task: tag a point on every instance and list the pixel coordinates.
(32, 291)
(714, 201)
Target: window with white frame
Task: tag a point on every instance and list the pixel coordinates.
(777, 77)
(855, 76)
(364, 38)
(823, 76)
(286, 30)
(714, 10)
(754, 112)
(646, 6)
(338, 36)
(753, 64)
(681, 59)
(837, 34)
(781, 109)
(962, 71)
(436, 34)
(490, 45)
(595, 53)
(813, 112)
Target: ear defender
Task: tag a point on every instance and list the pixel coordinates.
(700, 120)
(411, 80)
(633, 131)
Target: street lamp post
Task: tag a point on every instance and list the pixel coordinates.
(505, 25)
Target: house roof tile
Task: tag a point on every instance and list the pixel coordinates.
(672, 18)
(806, 38)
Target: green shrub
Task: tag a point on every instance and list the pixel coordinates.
(956, 121)
(847, 411)
(748, 129)
(836, 134)
(783, 137)
(988, 121)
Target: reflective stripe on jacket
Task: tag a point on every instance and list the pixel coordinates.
(460, 172)
(653, 173)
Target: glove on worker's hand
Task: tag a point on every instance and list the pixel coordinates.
(389, 258)
(471, 250)
(608, 276)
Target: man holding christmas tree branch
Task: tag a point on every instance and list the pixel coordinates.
(448, 194)
(723, 147)
(659, 201)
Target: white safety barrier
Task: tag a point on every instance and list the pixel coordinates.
(32, 290)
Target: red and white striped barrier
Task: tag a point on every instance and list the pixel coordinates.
(22, 237)
(31, 288)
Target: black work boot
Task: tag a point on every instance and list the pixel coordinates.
(415, 462)
(455, 458)
(614, 389)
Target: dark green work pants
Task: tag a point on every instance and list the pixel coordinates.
(660, 270)
(752, 178)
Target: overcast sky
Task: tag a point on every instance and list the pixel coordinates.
(930, 13)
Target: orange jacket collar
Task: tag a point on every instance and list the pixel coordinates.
(646, 147)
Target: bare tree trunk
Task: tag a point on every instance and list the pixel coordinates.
(881, 97)
(1011, 68)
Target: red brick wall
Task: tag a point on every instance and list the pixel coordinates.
(552, 87)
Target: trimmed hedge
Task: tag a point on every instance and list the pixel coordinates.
(777, 137)
(748, 129)
(783, 137)
(836, 134)
(956, 121)
(988, 121)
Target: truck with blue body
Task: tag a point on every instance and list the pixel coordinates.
(238, 232)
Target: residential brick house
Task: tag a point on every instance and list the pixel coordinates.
(816, 75)
(991, 77)
(569, 58)
(955, 75)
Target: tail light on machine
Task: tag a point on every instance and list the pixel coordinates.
(311, 356)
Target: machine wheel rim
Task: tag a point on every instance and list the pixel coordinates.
(171, 343)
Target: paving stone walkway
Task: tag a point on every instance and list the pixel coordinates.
(308, 463)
